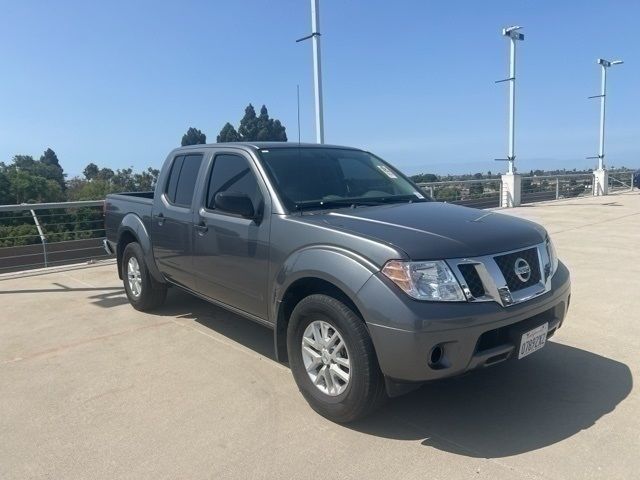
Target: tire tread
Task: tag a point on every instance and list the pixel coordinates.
(153, 293)
(374, 393)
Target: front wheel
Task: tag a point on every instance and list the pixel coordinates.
(143, 292)
(333, 360)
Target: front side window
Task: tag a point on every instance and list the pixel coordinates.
(333, 176)
(182, 179)
(232, 173)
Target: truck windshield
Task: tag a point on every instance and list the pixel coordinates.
(333, 177)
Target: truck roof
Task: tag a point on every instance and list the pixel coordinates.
(267, 145)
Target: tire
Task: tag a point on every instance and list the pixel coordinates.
(334, 398)
(144, 294)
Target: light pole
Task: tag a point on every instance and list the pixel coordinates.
(317, 68)
(514, 36)
(603, 96)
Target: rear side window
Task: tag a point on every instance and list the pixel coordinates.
(232, 173)
(172, 183)
(182, 179)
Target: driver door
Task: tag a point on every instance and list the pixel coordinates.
(231, 253)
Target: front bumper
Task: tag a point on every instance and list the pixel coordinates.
(471, 335)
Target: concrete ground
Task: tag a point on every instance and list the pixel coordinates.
(90, 388)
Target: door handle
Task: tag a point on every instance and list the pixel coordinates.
(201, 228)
(160, 218)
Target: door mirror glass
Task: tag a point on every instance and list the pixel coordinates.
(236, 203)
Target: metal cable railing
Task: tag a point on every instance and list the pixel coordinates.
(555, 187)
(47, 234)
(50, 234)
(485, 193)
(620, 181)
(480, 193)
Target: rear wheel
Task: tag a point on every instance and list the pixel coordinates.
(333, 360)
(143, 292)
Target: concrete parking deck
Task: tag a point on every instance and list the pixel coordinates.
(90, 388)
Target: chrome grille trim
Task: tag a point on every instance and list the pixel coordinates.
(494, 283)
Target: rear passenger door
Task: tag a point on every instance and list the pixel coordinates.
(231, 253)
(172, 223)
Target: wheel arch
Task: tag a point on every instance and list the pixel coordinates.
(316, 270)
(132, 229)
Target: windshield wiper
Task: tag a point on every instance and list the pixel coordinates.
(398, 199)
(357, 202)
(345, 202)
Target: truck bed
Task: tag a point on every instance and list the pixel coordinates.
(146, 197)
(118, 205)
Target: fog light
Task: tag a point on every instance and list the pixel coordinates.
(435, 356)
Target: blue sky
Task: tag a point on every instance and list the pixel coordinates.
(117, 83)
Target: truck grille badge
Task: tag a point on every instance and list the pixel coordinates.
(522, 270)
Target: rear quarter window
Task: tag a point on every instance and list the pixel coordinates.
(182, 179)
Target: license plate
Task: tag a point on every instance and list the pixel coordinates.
(533, 340)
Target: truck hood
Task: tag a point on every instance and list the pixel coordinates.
(435, 230)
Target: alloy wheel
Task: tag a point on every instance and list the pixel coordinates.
(326, 358)
(134, 277)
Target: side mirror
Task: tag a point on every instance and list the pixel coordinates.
(235, 203)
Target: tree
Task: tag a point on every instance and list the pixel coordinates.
(49, 157)
(103, 181)
(193, 137)
(105, 174)
(278, 132)
(228, 134)
(25, 163)
(248, 128)
(26, 187)
(146, 180)
(254, 128)
(476, 189)
(90, 171)
(32, 180)
(269, 129)
(264, 125)
(51, 169)
(5, 185)
(448, 194)
(424, 178)
(81, 189)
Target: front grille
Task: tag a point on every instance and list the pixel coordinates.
(507, 265)
(472, 279)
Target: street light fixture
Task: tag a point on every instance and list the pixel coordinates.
(514, 35)
(603, 95)
(317, 70)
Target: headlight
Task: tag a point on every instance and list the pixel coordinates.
(553, 257)
(432, 281)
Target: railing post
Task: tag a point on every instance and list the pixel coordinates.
(511, 190)
(43, 239)
(631, 183)
(557, 188)
(600, 182)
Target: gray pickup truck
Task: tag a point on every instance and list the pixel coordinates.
(370, 287)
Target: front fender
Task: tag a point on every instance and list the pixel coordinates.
(133, 224)
(344, 269)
